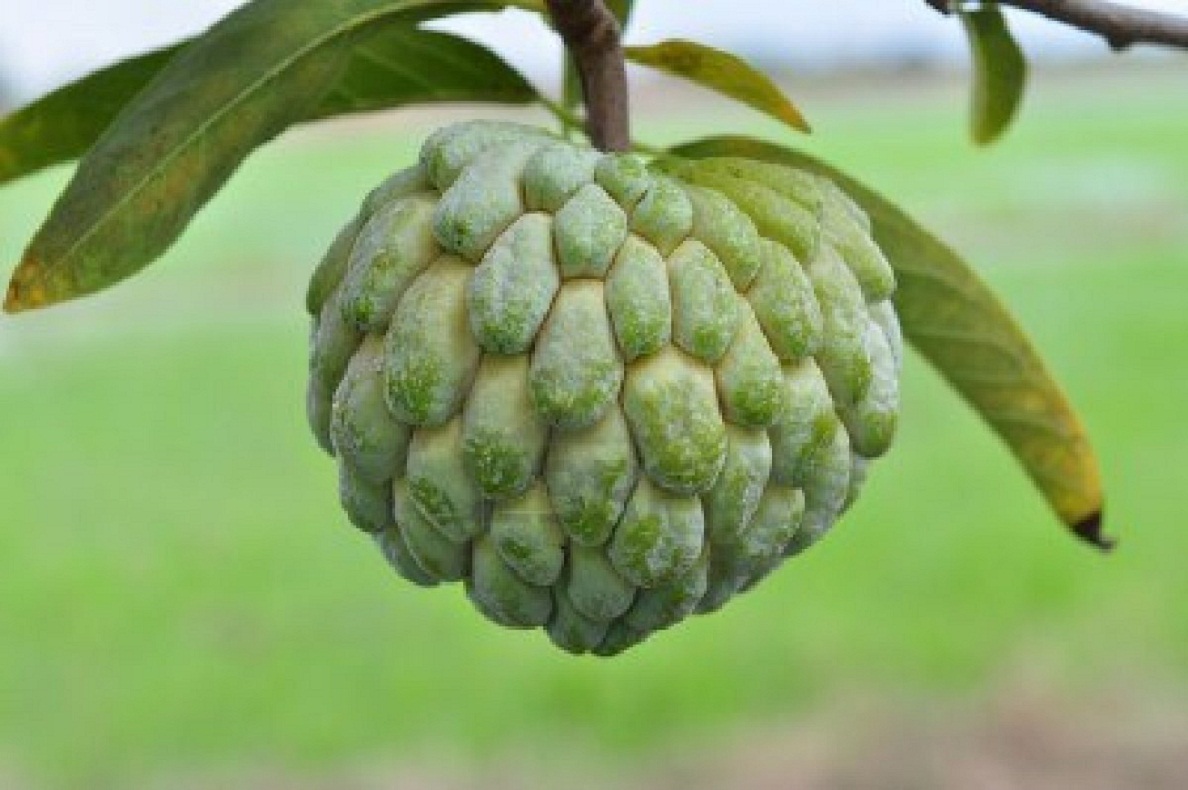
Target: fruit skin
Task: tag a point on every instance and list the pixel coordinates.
(603, 394)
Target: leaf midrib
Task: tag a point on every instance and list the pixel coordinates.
(265, 78)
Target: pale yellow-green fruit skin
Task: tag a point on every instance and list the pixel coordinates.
(602, 393)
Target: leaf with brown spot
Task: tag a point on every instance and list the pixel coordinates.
(63, 124)
(261, 69)
(720, 71)
(953, 318)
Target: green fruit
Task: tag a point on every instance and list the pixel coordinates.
(604, 394)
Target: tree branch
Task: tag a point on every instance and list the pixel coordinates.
(591, 34)
(1118, 24)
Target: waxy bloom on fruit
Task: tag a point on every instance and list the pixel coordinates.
(604, 394)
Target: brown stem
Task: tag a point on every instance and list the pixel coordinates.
(591, 34)
(1118, 24)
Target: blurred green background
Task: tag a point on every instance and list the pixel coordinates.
(183, 604)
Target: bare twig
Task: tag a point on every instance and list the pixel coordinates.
(1120, 25)
(591, 33)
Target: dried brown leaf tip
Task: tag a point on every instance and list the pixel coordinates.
(24, 293)
(1089, 529)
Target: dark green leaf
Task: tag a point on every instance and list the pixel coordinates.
(999, 72)
(399, 65)
(951, 316)
(258, 71)
(722, 72)
(406, 65)
(63, 124)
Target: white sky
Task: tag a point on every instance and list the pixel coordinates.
(47, 42)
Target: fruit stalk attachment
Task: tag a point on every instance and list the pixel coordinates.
(591, 33)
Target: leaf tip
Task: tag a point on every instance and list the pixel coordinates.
(22, 294)
(791, 115)
(12, 299)
(1089, 529)
(983, 138)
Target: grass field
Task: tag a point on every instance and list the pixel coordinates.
(181, 597)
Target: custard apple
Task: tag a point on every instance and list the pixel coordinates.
(604, 394)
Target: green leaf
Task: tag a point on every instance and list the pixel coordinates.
(405, 65)
(399, 65)
(722, 72)
(951, 317)
(571, 82)
(621, 9)
(258, 71)
(65, 123)
(999, 72)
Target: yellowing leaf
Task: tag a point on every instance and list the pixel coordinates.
(999, 73)
(951, 317)
(722, 72)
